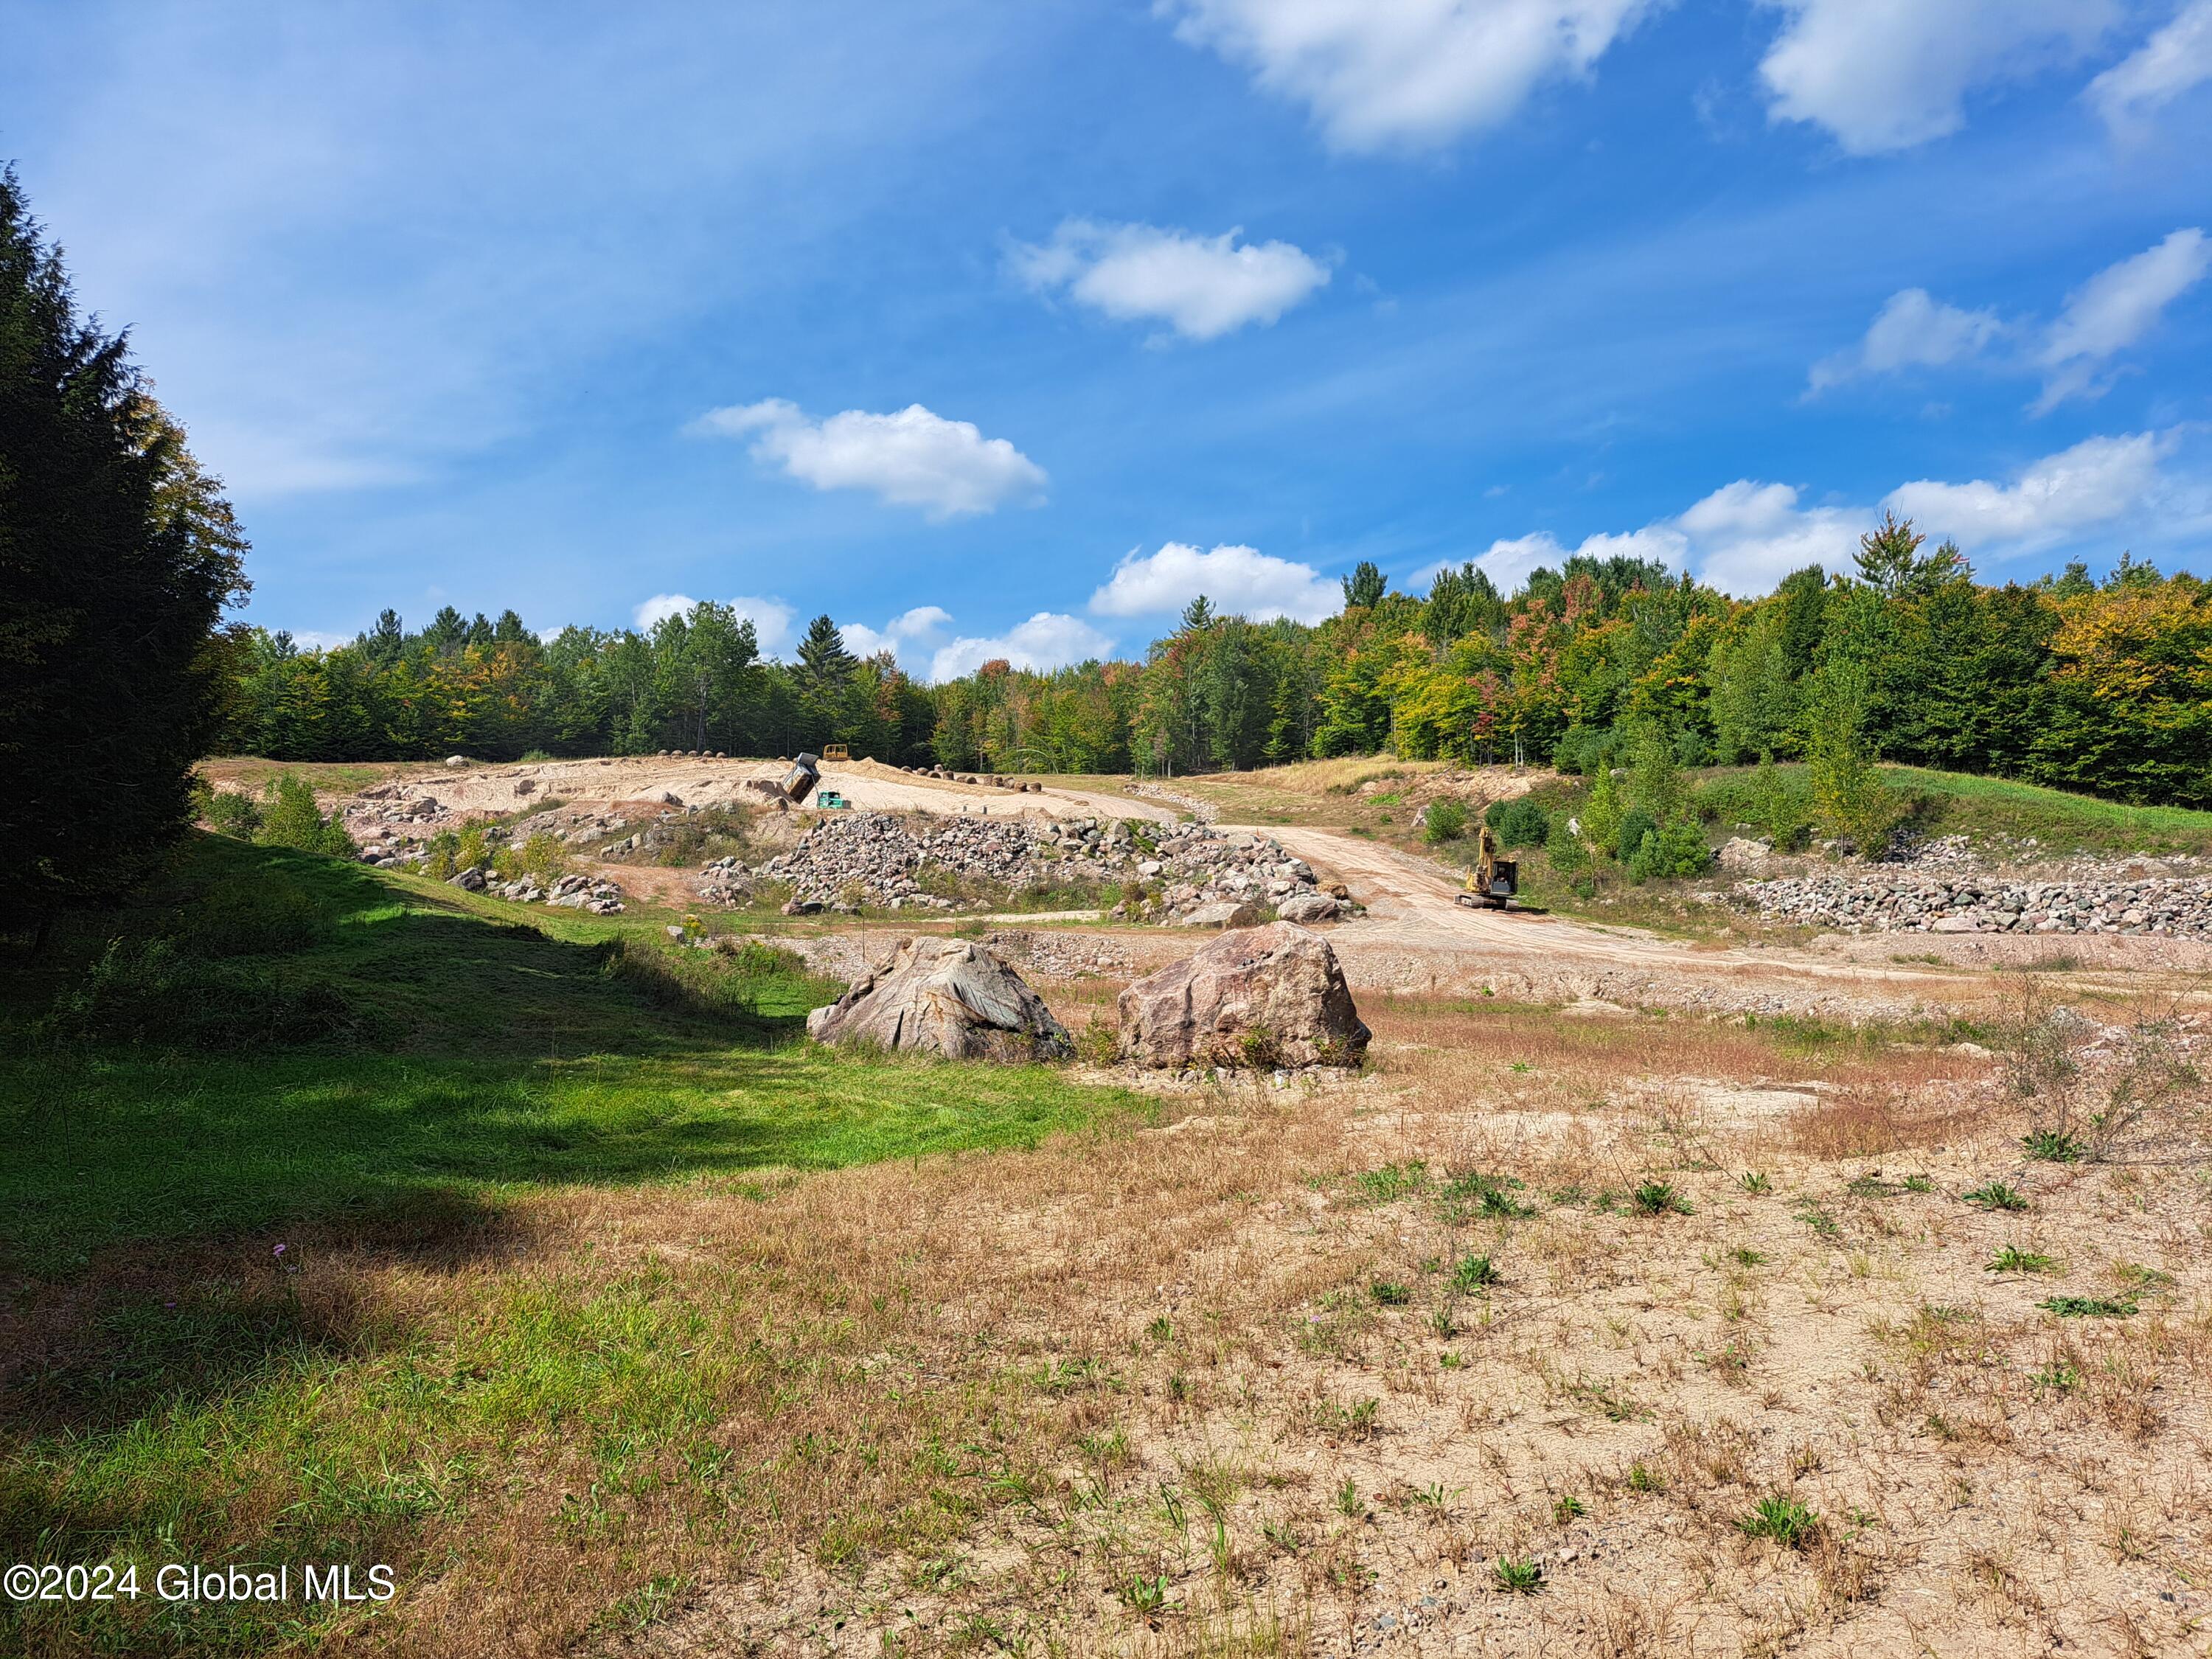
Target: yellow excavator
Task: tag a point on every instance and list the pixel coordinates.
(1492, 880)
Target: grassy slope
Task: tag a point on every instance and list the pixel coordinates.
(203, 1396)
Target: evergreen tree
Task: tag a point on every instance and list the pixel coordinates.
(1364, 588)
(824, 664)
(117, 557)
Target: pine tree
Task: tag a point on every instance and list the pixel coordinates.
(117, 557)
(1364, 586)
(824, 664)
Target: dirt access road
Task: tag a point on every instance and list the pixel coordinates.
(1415, 927)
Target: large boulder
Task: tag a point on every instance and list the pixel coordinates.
(1308, 907)
(945, 996)
(1257, 996)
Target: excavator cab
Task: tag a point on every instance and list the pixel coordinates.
(1493, 881)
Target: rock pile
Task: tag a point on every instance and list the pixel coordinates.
(944, 996)
(1258, 997)
(1984, 904)
(601, 898)
(1196, 875)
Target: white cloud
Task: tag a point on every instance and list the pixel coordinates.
(1912, 331)
(2173, 61)
(909, 458)
(1886, 75)
(2114, 309)
(1202, 286)
(1407, 74)
(312, 639)
(906, 635)
(771, 618)
(2098, 482)
(1047, 640)
(654, 612)
(1240, 580)
(1746, 536)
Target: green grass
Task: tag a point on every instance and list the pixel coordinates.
(1781, 1518)
(206, 1404)
(553, 1050)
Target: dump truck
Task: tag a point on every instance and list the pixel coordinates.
(799, 782)
(1493, 881)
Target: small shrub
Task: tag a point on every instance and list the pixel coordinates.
(289, 817)
(1444, 821)
(1099, 1041)
(535, 756)
(229, 812)
(1674, 852)
(1635, 824)
(1518, 1575)
(1995, 1196)
(1660, 1198)
(1519, 823)
(1785, 1520)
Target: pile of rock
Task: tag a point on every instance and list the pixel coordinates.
(1222, 878)
(1197, 875)
(1984, 904)
(574, 892)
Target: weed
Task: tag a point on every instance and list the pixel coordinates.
(1161, 1329)
(1660, 1198)
(1392, 1181)
(1474, 1273)
(1442, 1323)
(2142, 1278)
(2090, 1307)
(1349, 1503)
(2014, 1259)
(1450, 1361)
(1756, 1182)
(2057, 1377)
(1918, 1183)
(1783, 1519)
(1745, 1256)
(1642, 1478)
(1388, 1293)
(2051, 1146)
(1356, 1422)
(1143, 1595)
(1519, 1575)
(1566, 1509)
(1995, 1196)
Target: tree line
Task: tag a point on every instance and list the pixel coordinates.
(2102, 685)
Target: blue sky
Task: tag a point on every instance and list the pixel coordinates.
(1004, 330)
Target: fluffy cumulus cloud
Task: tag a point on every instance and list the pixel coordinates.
(1382, 74)
(1746, 536)
(2114, 309)
(2048, 502)
(1912, 331)
(1886, 75)
(1047, 640)
(906, 636)
(771, 618)
(910, 458)
(2175, 60)
(1200, 286)
(1241, 580)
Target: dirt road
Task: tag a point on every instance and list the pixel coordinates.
(1413, 915)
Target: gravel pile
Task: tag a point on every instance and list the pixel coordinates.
(1984, 904)
(879, 859)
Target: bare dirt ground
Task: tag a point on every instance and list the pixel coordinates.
(868, 785)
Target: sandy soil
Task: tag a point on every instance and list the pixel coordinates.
(868, 785)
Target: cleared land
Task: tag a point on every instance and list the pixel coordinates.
(620, 1323)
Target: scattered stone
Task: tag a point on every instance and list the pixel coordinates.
(944, 996)
(1263, 997)
(1871, 902)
